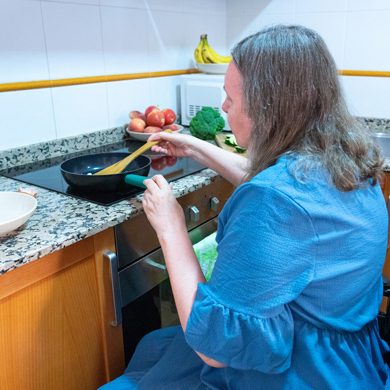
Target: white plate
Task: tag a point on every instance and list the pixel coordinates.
(15, 209)
(144, 136)
(213, 68)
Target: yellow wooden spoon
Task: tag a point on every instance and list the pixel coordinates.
(119, 166)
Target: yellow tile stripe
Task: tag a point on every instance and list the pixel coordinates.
(20, 86)
(365, 73)
(6, 87)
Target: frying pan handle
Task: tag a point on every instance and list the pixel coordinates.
(135, 180)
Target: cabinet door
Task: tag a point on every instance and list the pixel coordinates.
(385, 185)
(52, 320)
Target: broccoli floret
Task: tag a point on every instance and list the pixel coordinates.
(206, 124)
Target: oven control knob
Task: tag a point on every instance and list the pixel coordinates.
(193, 213)
(214, 204)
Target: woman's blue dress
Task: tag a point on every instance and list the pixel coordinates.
(293, 298)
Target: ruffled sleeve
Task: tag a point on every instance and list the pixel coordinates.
(266, 258)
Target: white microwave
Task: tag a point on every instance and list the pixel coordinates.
(201, 90)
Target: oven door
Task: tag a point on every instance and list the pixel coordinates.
(146, 295)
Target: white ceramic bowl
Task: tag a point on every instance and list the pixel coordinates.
(144, 136)
(15, 209)
(213, 68)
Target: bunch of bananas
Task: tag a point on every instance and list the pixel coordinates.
(204, 54)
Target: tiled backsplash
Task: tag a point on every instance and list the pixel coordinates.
(59, 147)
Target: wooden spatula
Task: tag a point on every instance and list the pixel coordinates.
(119, 166)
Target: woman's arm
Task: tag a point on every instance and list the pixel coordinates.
(184, 274)
(229, 165)
(167, 218)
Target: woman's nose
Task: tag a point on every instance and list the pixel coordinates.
(225, 107)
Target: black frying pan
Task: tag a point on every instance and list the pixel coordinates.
(79, 171)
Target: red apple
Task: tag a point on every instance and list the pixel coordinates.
(155, 118)
(171, 160)
(137, 114)
(169, 115)
(152, 129)
(137, 125)
(172, 127)
(159, 164)
(151, 109)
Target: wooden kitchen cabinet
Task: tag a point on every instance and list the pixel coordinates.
(55, 320)
(385, 185)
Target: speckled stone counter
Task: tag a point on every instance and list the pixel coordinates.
(60, 220)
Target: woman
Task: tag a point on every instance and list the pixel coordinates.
(294, 295)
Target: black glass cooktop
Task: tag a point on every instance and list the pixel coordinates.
(47, 173)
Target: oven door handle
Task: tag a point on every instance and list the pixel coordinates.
(156, 265)
(116, 291)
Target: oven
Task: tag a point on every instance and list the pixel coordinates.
(142, 293)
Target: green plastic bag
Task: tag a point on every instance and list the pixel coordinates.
(206, 252)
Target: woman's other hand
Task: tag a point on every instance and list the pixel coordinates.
(179, 145)
(161, 207)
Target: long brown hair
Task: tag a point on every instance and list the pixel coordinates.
(293, 97)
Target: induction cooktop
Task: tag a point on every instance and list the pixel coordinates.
(47, 173)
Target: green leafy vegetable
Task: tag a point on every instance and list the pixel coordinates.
(206, 124)
(231, 140)
(240, 150)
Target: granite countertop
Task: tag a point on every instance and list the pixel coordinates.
(60, 220)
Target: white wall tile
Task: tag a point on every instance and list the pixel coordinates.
(73, 39)
(368, 96)
(215, 7)
(165, 93)
(171, 46)
(273, 6)
(364, 5)
(89, 2)
(139, 4)
(26, 117)
(237, 31)
(253, 8)
(22, 43)
(126, 96)
(367, 43)
(247, 17)
(321, 6)
(334, 36)
(168, 49)
(125, 40)
(262, 21)
(80, 109)
(203, 7)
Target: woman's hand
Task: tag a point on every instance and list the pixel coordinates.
(179, 145)
(162, 209)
